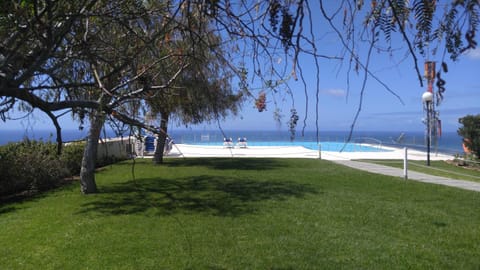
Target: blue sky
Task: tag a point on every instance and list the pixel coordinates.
(381, 111)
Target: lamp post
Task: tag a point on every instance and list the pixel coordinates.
(427, 99)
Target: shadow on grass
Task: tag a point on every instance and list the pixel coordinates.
(228, 163)
(211, 195)
(10, 203)
(6, 209)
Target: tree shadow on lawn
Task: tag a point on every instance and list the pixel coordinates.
(6, 209)
(211, 195)
(228, 163)
(14, 202)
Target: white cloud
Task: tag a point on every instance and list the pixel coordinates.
(473, 54)
(336, 92)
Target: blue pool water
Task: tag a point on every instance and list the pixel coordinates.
(325, 146)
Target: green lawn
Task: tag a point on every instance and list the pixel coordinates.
(243, 214)
(437, 167)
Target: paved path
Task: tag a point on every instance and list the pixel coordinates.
(421, 177)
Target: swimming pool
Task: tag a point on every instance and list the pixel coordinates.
(325, 146)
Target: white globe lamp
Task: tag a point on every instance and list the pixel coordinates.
(427, 97)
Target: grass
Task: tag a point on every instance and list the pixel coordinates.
(437, 167)
(243, 214)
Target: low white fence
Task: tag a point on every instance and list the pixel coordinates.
(127, 147)
(120, 148)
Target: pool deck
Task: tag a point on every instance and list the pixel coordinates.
(188, 150)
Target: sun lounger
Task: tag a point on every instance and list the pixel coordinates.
(242, 142)
(227, 142)
(168, 146)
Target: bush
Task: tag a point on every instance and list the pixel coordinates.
(72, 155)
(470, 131)
(41, 170)
(34, 165)
(8, 181)
(30, 165)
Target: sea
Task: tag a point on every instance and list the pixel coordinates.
(448, 143)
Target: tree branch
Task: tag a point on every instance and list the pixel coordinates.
(410, 48)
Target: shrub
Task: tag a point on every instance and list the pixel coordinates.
(30, 165)
(72, 155)
(8, 182)
(41, 170)
(34, 165)
(470, 131)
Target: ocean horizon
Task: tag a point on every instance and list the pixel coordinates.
(449, 142)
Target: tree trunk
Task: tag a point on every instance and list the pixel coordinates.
(87, 172)
(162, 137)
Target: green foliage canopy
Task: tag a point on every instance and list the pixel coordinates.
(470, 131)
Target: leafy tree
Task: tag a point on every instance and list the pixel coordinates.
(115, 47)
(470, 131)
(202, 92)
(108, 61)
(78, 56)
(33, 34)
